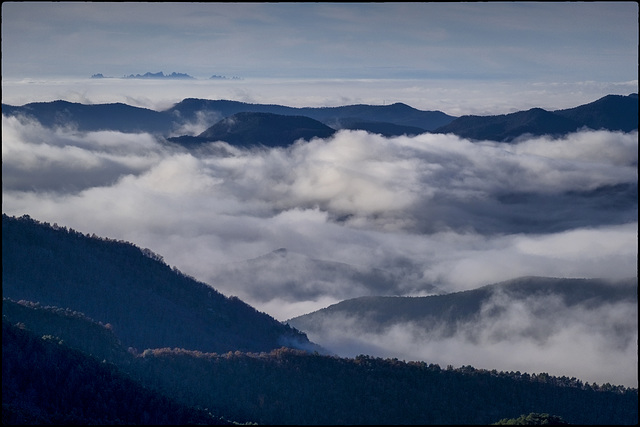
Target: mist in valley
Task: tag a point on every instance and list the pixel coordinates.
(296, 229)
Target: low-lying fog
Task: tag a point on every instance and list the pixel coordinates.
(436, 213)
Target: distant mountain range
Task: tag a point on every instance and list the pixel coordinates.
(267, 129)
(93, 117)
(218, 77)
(161, 75)
(397, 114)
(98, 331)
(149, 75)
(612, 112)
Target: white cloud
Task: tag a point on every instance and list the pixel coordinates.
(614, 148)
(453, 96)
(433, 210)
(435, 213)
(66, 160)
(534, 335)
(202, 122)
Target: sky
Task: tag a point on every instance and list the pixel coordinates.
(450, 56)
(359, 214)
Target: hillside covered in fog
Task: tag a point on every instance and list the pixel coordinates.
(62, 366)
(257, 245)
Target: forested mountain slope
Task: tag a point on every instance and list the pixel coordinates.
(114, 317)
(399, 114)
(148, 304)
(279, 387)
(46, 382)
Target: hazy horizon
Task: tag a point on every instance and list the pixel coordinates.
(456, 98)
(456, 57)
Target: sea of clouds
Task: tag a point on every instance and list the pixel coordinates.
(438, 213)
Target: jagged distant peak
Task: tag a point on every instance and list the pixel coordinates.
(149, 75)
(159, 75)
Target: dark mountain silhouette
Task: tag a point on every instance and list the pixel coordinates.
(260, 129)
(397, 114)
(507, 127)
(74, 328)
(63, 364)
(148, 304)
(612, 112)
(449, 312)
(382, 128)
(386, 120)
(46, 382)
(46, 379)
(93, 117)
(52, 375)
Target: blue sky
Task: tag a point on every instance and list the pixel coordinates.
(565, 41)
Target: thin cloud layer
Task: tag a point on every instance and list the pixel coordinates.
(452, 96)
(532, 335)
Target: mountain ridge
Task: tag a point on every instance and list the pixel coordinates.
(52, 343)
(452, 308)
(248, 129)
(611, 112)
(145, 300)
